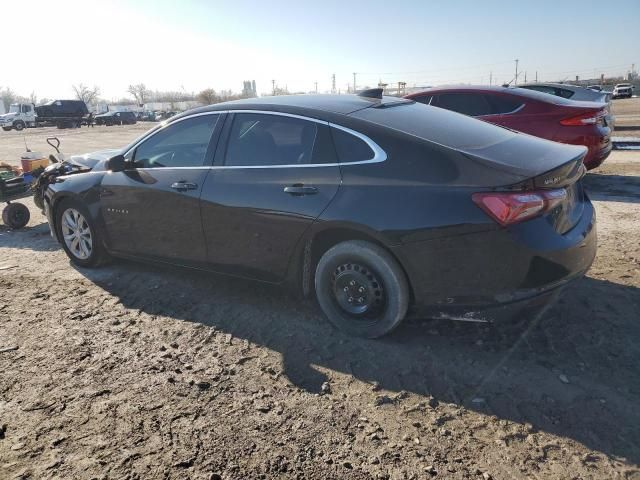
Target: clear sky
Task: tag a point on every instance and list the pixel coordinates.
(48, 45)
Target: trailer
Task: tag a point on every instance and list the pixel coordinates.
(58, 113)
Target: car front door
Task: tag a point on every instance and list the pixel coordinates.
(273, 177)
(152, 208)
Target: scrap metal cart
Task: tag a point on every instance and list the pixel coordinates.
(13, 187)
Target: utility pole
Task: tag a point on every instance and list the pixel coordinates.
(354, 82)
(516, 79)
(536, 76)
(490, 78)
(316, 83)
(273, 87)
(525, 76)
(333, 83)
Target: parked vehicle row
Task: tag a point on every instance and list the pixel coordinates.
(376, 206)
(546, 116)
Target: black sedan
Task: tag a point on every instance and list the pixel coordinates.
(116, 118)
(376, 206)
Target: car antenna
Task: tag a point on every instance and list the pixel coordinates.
(371, 93)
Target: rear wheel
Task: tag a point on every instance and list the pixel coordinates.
(79, 235)
(361, 289)
(15, 215)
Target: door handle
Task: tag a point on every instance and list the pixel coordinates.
(182, 186)
(299, 189)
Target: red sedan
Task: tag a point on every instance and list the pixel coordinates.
(535, 113)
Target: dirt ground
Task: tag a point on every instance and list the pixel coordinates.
(627, 113)
(135, 371)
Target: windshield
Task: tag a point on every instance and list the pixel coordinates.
(15, 108)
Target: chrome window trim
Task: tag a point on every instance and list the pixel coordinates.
(166, 124)
(379, 155)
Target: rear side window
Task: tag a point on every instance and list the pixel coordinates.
(471, 104)
(350, 148)
(263, 140)
(501, 104)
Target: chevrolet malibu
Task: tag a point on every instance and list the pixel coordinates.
(376, 206)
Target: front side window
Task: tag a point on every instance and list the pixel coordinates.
(180, 144)
(263, 140)
(468, 103)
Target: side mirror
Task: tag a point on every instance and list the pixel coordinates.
(117, 163)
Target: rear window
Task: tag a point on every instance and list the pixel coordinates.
(438, 125)
(501, 105)
(471, 104)
(426, 99)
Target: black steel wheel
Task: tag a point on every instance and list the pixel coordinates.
(361, 289)
(358, 291)
(15, 215)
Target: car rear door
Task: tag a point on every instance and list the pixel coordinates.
(153, 208)
(274, 175)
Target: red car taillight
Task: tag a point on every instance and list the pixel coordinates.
(590, 118)
(510, 208)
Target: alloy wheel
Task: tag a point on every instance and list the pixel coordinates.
(77, 234)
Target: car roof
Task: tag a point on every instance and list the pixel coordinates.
(573, 88)
(579, 93)
(516, 91)
(337, 104)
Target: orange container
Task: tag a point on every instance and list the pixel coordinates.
(30, 164)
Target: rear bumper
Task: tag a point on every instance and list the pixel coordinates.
(597, 154)
(499, 268)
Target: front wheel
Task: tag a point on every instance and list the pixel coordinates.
(19, 126)
(79, 235)
(6, 129)
(361, 289)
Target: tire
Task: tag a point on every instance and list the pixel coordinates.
(19, 126)
(354, 268)
(85, 249)
(15, 215)
(6, 129)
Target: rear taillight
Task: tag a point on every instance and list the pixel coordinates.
(510, 208)
(590, 118)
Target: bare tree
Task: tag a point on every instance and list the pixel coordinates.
(139, 92)
(33, 98)
(8, 97)
(86, 94)
(208, 97)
